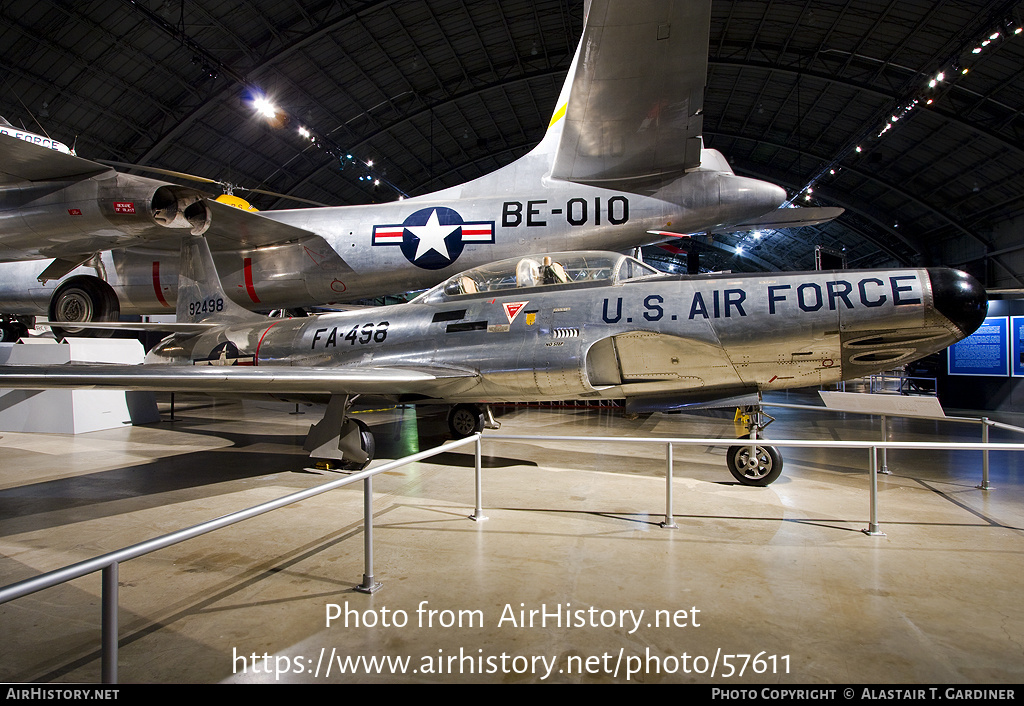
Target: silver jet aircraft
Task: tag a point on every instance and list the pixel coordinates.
(622, 158)
(577, 325)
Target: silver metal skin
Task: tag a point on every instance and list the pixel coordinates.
(56, 205)
(571, 325)
(607, 326)
(622, 158)
(642, 337)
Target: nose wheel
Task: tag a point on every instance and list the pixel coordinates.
(759, 468)
(754, 463)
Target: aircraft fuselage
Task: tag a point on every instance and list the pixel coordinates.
(362, 251)
(646, 338)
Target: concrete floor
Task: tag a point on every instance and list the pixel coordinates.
(784, 572)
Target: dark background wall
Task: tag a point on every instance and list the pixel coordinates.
(1003, 394)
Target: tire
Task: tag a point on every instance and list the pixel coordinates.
(367, 443)
(83, 300)
(767, 469)
(465, 420)
(9, 333)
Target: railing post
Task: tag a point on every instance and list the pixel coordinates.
(669, 522)
(109, 629)
(885, 456)
(872, 529)
(985, 485)
(478, 511)
(368, 585)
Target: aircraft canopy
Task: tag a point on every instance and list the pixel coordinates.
(587, 268)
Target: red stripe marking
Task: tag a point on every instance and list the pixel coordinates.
(156, 284)
(247, 268)
(256, 357)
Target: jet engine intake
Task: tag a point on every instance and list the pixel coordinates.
(179, 207)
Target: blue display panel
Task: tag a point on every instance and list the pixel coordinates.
(1017, 346)
(985, 352)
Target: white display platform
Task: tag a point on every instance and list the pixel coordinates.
(893, 405)
(73, 411)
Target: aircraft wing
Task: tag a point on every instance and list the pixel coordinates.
(624, 121)
(787, 218)
(23, 161)
(233, 379)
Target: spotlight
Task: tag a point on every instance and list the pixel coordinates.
(263, 106)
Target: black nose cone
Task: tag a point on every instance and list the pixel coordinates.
(959, 297)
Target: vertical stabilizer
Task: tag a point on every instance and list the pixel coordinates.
(631, 106)
(200, 293)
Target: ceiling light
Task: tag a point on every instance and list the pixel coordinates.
(263, 106)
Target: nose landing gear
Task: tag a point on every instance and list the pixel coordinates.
(754, 463)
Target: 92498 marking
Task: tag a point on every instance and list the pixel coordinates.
(206, 306)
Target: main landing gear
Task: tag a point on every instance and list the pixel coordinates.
(754, 463)
(468, 419)
(339, 439)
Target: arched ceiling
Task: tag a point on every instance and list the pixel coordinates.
(436, 92)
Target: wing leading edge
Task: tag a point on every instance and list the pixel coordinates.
(234, 379)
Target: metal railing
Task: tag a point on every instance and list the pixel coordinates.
(905, 384)
(108, 563)
(985, 423)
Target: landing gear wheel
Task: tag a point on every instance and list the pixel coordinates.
(83, 300)
(760, 470)
(465, 420)
(366, 443)
(11, 331)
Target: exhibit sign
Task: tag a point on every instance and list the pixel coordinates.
(985, 352)
(1017, 346)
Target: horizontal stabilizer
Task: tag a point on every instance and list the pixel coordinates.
(232, 229)
(134, 326)
(787, 218)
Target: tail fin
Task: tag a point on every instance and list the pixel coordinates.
(200, 293)
(630, 109)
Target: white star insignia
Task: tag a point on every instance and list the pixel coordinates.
(431, 237)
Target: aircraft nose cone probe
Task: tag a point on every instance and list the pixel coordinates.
(959, 297)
